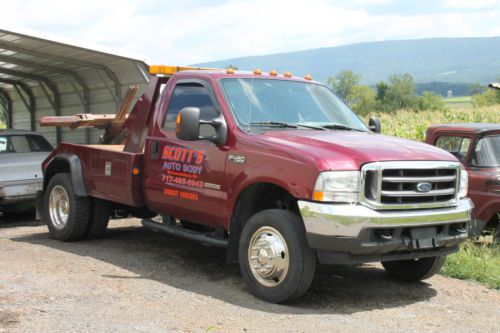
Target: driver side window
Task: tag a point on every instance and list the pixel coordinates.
(191, 95)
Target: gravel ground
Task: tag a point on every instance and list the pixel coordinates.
(135, 280)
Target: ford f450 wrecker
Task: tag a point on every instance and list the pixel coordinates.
(274, 168)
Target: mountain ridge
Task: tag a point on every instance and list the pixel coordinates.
(470, 59)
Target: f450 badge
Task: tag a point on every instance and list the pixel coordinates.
(236, 158)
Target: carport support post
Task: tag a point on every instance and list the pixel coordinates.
(30, 103)
(7, 102)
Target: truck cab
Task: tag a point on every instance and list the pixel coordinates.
(477, 146)
(274, 168)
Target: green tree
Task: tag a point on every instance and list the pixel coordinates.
(430, 101)
(476, 88)
(382, 88)
(343, 83)
(362, 100)
(489, 97)
(401, 92)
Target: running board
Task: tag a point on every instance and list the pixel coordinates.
(174, 230)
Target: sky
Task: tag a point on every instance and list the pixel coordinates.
(193, 31)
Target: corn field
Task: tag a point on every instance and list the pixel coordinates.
(413, 125)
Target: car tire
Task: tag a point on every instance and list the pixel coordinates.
(100, 213)
(275, 259)
(414, 269)
(66, 214)
(496, 234)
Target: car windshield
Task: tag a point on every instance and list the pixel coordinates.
(290, 104)
(487, 152)
(24, 144)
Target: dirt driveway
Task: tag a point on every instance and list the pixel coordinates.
(139, 281)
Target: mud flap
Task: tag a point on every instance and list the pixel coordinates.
(424, 238)
(39, 205)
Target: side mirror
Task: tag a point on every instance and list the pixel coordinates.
(187, 125)
(374, 125)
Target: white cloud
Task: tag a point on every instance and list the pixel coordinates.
(193, 31)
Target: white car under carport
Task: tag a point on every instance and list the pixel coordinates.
(21, 156)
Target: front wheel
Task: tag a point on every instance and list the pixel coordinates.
(414, 269)
(275, 259)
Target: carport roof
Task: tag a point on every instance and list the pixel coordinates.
(66, 77)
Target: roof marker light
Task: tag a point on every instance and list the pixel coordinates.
(287, 74)
(229, 70)
(170, 70)
(308, 77)
(273, 72)
(257, 71)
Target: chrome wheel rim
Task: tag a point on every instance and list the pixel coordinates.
(268, 256)
(59, 207)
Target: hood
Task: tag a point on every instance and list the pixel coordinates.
(21, 166)
(349, 150)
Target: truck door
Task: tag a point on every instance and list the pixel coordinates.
(185, 179)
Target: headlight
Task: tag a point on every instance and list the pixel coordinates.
(339, 186)
(464, 183)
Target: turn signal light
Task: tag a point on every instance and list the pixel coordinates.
(136, 171)
(178, 123)
(318, 196)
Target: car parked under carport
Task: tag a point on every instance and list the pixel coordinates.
(21, 156)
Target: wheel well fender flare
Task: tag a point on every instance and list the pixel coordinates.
(67, 163)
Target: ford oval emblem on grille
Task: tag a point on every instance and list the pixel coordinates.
(424, 187)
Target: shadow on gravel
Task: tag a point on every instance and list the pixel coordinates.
(20, 219)
(195, 268)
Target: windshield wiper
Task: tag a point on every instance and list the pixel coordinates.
(341, 127)
(286, 125)
(274, 123)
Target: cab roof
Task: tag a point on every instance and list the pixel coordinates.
(473, 128)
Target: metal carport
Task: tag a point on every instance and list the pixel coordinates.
(40, 77)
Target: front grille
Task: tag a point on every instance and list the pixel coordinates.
(410, 185)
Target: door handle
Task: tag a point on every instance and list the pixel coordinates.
(155, 150)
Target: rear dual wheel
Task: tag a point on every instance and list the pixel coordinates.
(70, 217)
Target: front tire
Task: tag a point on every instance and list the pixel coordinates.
(414, 269)
(66, 214)
(275, 259)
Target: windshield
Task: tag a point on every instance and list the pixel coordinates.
(267, 101)
(487, 152)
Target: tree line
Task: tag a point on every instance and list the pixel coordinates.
(398, 92)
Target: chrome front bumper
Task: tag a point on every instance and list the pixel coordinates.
(357, 229)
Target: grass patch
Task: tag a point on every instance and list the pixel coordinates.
(459, 99)
(475, 261)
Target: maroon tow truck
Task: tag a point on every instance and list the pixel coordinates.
(272, 167)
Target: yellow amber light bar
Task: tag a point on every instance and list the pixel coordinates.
(170, 70)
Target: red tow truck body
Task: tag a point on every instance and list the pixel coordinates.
(273, 167)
